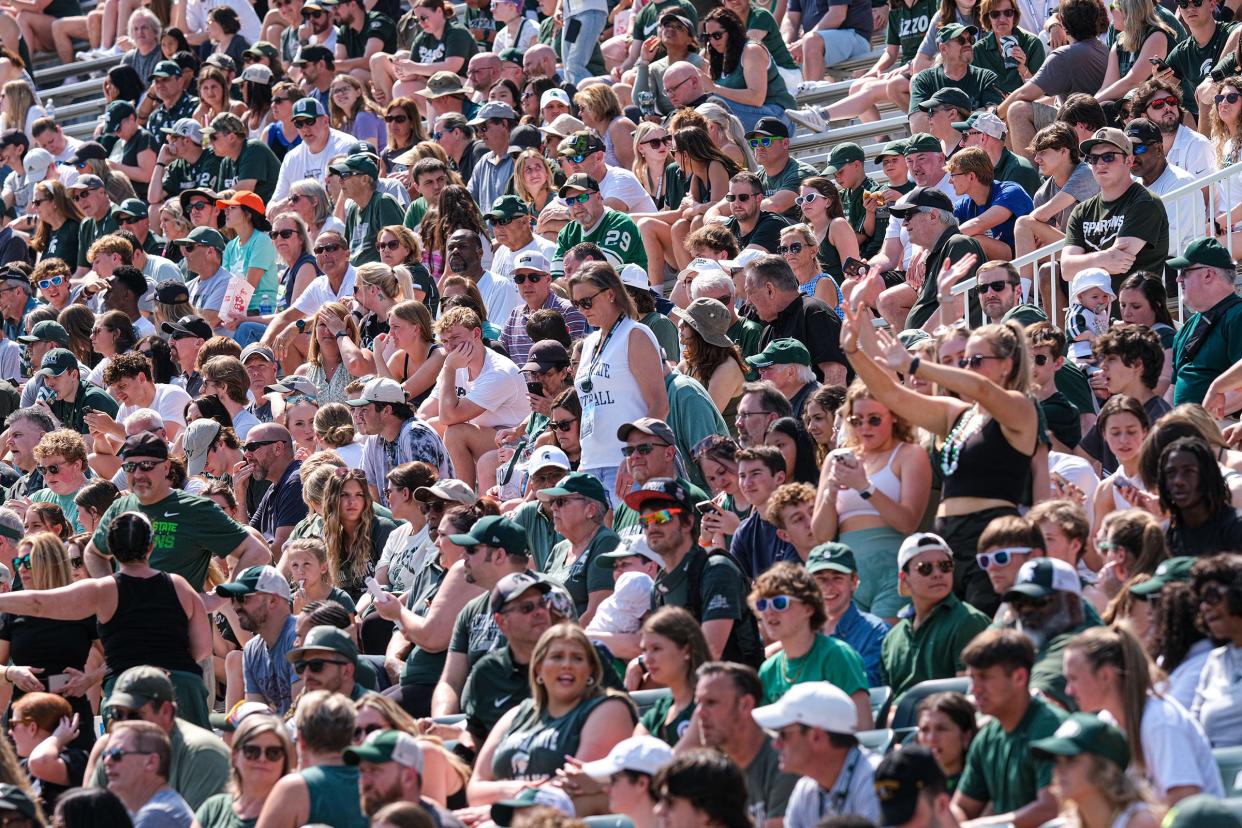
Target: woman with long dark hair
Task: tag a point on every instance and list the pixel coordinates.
(400, 249)
(163, 366)
(946, 726)
(56, 234)
(455, 211)
(673, 648)
(742, 71)
(256, 92)
(404, 130)
(354, 533)
(1123, 424)
(112, 335)
(789, 435)
(710, 356)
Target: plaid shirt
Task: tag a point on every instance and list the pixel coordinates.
(514, 336)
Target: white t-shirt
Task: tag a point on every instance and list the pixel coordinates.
(143, 327)
(243, 422)
(527, 34)
(1184, 678)
(625, 186)
(1175, 749)
(302, 163)
(1186, 214)
(196, 16)
(405, 554)
(170, 401)
(1192, 152)
(499, 389)
(351, 454)
(500, 296)
(10, 360)
(502, 261)
(319, 293)
(1218, 697)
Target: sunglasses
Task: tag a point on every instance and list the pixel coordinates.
(1231, 97)
(765, 142)
(326, 248)
(993, 287)
(780, 603)
(141, 465)
(562, 502)
(997, 14)
(76, 563)
(283, 234)
(195, 206)
(926, 568)
(714, 36)
(523, 278)
(255, 445)
(664, 141)
(82, 195)
(742, 197)
(116, 754)
(22, 561)
(1185, 4)
(581, 198)
(1141, 149)
(1001, 557)
(129, 221)
(272, 753)
(35, 202)
(964, 40)
(1160, 103)
(660, 517)
(312, 15)
(396, 119)
(975, 361)
(524, 608)
(1212, 594)
(873, 420)
(302, 123)
(505, 222)
(281, 100)
(585, 302)
(642, 449)
(125, 714)
(55, 281)
(361, 733)
(315, 665)
(1102, 158)
(51, 468)
(561, 425)
(794, 248)
(809, 198)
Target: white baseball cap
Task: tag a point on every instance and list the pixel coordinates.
(1088, 278)
(379, 390)
(744, 258)
(702, 265)
(917, 544)
(531, 260)
(636, 277)
(641, 754)
(545, 456)
(553, 95)
(816, 704)
(989, 124)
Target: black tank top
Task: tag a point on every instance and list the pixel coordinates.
(987, 465)
(149, 626)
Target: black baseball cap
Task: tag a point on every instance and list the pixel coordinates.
(145, 444)
(188, 326)
(1143, 131)
(663, 489)
(921, 197)
(769, 127)
(899, 779)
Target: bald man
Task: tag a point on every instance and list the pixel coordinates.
(539, 62)
(268, 456)
(684, 86)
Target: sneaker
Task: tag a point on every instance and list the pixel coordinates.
(808, 118)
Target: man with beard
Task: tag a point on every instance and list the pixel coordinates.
(754, 227)
(1047, 600)
(268, 452)
(593, 221)
(390, 769)
(1154, 166)
(260, 598)
(464, 257)
(395, 436)
(317, 61)
(327, 660)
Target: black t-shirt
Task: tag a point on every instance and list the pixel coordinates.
(127, 152)
(1221, 533)
(1062, 418)
(767, 232)
(51, 646)
(48, 792)
(376, 26)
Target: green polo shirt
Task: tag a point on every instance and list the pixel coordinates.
(541, 535)
(582, 577)
(496, 683)
(987, 56)
(363, 226)
(789, 178)
(829, 659)
(999, 766)
(934, 650)
(89, 398)
(856, 214)
(1221, 347)
(1015, 168)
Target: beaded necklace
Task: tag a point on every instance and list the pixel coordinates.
(963, 431)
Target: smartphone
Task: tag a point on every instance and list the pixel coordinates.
(855, 268)
(375, 589)
(844, 454)
(1161, 66)
(535, 388)
(57, 682)
(705, 507)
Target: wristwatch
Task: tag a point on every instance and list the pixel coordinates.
(866, 493)
(339, 334)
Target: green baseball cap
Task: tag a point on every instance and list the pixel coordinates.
(1207, 252)
(843, 154)
(57, 361)
(166, 69)
(325, 638)
(577, 483)
(1201, 811)
(923, 142)
(49, 330)
(494, 530)
(1085, 733)
(139, 685)
(786, 351)
(1170, 571)
(507, 208)
(383, 746)
(116, 112)
(962, 126)
(946, 33)
(132, 207)
(203, 235)
(511, 55)
(832, 557)
(356, 163)
(261, 48)
(892, 148)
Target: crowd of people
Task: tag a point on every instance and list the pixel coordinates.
(446, 416)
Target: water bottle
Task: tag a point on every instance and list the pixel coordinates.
(265, 305)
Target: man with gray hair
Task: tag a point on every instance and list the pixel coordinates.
(772, 290)
(367, 211)
(23, 430)
(786, 363)
(927, 214)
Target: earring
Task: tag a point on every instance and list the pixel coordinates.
(539, 680)
(591, 681)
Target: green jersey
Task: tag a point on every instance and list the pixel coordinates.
(907, 25)
(375, 26)
(363, 225)
(1192, 63)
(90, 230)
(255, 161)
(999, 767)
(415, 212)
(181, 175)
(615, 233)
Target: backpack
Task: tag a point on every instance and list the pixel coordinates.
(734, 650)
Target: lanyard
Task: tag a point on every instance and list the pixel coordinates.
(588, 384)
(841, 790)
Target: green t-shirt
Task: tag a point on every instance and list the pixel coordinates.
(421, 666)
(375, 26)
(414, 213)
(1221, 348)
(127, 152)
(828, 660)
(541, 535)
(665, 333)
(65, 502)
(762, 20)
(856, 214)
(669, 732)
(256, 161)
(950, 249)
(362, 226)
(1192, 63)
(180, 176)
(62, 243)
(475, 632)
(495, 685)
(1062, 419)
(648, 17)
(981, 85)
(457, 42)
(789, 178)
(934, 650)
(767, 788)
(217, 812)
(89, 398)
(987, 56)
(257, 252)
(722, 596)
(89, 231)
(582, 577)
(747, 333)
(1015, 168)
(1095, 224)
(189, 531)
(692, 416)
(1048, 674)
(907, 26)
(999, 767)
(616, 234)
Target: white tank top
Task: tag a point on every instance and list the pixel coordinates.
(609, 394)
(850, 503)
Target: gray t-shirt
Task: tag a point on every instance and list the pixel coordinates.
(1078, 67)
(209, 294)
(1081, 185)
(166, 809)
(767, 789)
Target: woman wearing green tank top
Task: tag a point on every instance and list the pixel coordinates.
(742, 71)
(569, 717)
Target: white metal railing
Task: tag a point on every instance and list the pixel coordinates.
(1219, 187)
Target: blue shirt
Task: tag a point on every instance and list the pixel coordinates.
(865, 633)
(268, 673)
(1005, 194)
(757, 547)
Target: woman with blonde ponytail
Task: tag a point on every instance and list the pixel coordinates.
(377, 288)
(334, 431)
(1108, 672)
(988, 432)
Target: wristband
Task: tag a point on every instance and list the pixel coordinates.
(914, 366)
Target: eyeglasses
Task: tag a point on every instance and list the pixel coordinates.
(742, 197)
(585, 302)
(55, 281)
(523, 278)
(764, 141)
(1212, 594)
(660, 517)
(993, 287)
(780, 603)
(926, 568)
(315, 665)
(714, 36)
(1160, 103)
(255, 445)
(561, 425)
(272, 753)
(809, 198)
(873, 420)
(1231, 97)
(794, 248)
(581, 198)
(1102, 158)
(51, 468)
(326, 248)
(662, 141)
(283, 234)
(642, 449)
(973, 362)
(1001, 557)
(116, 754)
(22, 561)
(141, 465)
(997, 14)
